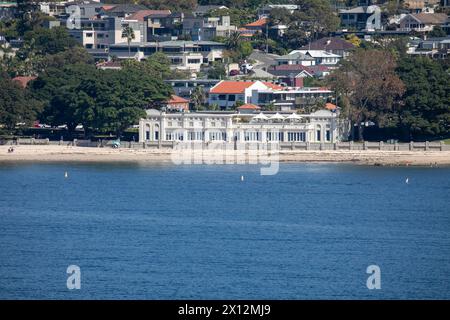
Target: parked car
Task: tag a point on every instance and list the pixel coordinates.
(234, 73)
(246, 67)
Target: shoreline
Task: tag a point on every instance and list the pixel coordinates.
(53, 153)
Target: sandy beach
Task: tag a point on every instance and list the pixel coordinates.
(54, 153)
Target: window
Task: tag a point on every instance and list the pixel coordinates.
(100, 35)
(252, 136)
(191, 124)
(231, 97)
(318, 133)
(222, 97)
(193, 61)
(89, 35)
(328, 135)
(169, 124)
(213, 124)
(296, 136)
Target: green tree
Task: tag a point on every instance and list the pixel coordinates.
(426, 113)
(16, 104)
(100, 100)
(217, 71)
(437, 32)
(233, 41)
(245, 49)
(198, 98)
(368, 82)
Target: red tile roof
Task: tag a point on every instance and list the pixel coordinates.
(249, 106)
(141, 14)
(231, 87)
(174, 99)
(107, 7)
(23, 81)
(238, 87)
(258, 23)
(273, 85)
(330, 106)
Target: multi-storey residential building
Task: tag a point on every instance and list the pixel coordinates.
(418, 6)
(203, 10)
(227, 93)
(84, 9)
(207, 28)
(437, 48)
(265, 10)
(291, 98)
(295, 58)
(335, 45)
(163, 26)
(185, 87)
(121, 10)
(309, 58)
(361, 18)
(422, 22)
(7, 9)
(99, 34)
(53, 9)
(184, 55)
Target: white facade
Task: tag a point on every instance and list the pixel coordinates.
(321, 57)
(228, 99)
(319, 127)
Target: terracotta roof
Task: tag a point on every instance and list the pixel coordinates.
(258, 23)
(174, 99)
(238, 87)
(431, 18)
(141, 14)
(330, 106)
(249, 106)
(329, 43)
(273, 85)
(23, 81)
(108, 7)
(231, 87)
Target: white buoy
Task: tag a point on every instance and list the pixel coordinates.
(66, 175)
(407, 181)
(242, 178)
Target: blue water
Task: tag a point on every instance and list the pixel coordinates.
(198, 232)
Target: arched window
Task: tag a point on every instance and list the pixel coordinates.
(318, 133)
(147, 132)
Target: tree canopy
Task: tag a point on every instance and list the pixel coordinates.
(426, 112)
(100, 100)
(369, 88)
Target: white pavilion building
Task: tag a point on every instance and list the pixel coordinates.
(319, 127)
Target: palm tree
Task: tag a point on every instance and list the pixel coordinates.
(128, 32)
(233, 41)
(198, 98)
